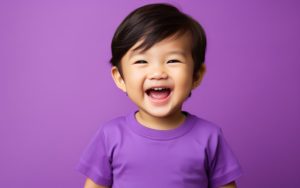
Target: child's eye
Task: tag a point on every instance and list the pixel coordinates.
(173, 61)
(140, 62)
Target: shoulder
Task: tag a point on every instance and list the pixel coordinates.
(113, 123)
(110, 133)
(112, 126)
(205, 127)
(205, 132)
(114, 130)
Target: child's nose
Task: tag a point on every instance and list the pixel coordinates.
(158, 72)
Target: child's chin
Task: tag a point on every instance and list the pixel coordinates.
(160, 113)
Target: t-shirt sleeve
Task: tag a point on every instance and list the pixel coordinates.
(223, 165)
(95, 162)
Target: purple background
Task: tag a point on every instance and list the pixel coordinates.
(55, 85)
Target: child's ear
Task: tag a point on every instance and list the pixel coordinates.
(199, 76)
(118, 78)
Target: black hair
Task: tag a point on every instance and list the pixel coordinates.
(153, 23)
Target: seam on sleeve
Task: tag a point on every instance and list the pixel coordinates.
(228, 177)
(91, 172)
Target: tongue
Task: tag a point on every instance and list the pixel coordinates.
(159, 94)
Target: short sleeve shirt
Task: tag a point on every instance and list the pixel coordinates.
(125, 154)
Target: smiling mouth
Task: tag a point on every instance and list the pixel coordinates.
(159, 93)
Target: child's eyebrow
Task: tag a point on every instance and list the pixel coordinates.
(135, 52)
(177, 52)
(173, 52)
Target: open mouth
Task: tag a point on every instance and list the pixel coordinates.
(158, 93)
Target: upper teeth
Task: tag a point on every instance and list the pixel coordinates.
(158, 89)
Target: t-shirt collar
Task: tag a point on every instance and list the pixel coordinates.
(179, 131)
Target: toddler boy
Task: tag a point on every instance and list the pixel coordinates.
(158, 57)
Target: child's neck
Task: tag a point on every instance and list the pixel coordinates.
(160, 123)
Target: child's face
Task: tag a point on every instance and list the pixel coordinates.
(160, 79)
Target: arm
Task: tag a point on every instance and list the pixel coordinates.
(229, 185)
(90, 184)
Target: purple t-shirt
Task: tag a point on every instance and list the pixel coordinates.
(126, 154)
